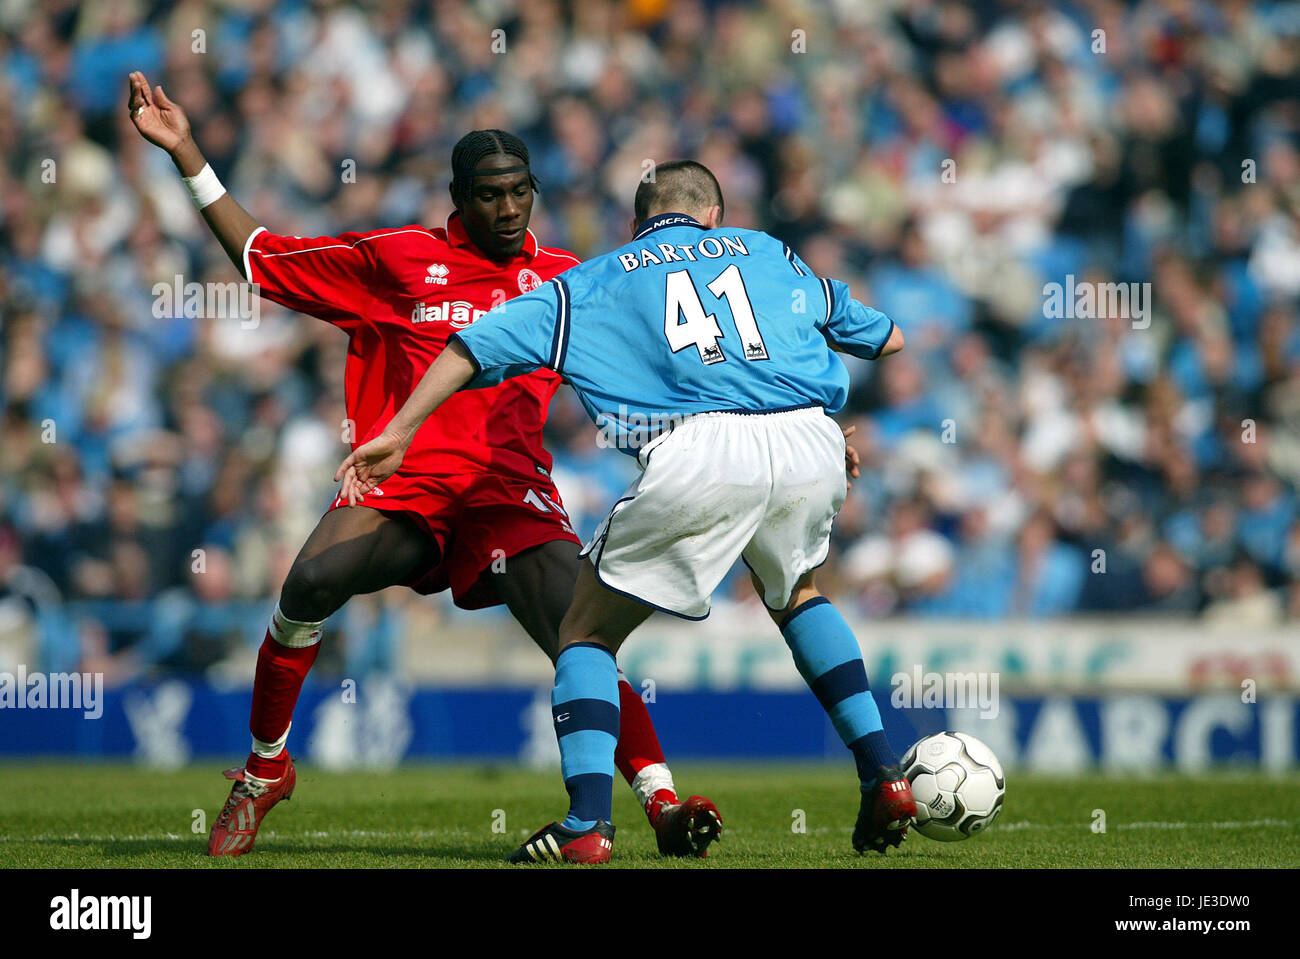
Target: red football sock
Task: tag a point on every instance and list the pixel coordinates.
(638, 745)
(280, 674)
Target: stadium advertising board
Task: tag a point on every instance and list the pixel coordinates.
(170, 723)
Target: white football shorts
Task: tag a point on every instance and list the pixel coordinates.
(764, 487)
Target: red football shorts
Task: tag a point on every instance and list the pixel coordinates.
(476, 519)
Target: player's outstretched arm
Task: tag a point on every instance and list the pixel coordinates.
(373, 462)
(164, 124)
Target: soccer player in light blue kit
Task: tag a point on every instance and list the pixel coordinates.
(707, 353)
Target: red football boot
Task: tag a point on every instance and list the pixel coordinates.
(235, 830)
(556, 843)
(684, 828)
(886, 811)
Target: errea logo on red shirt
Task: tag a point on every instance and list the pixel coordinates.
(437, 274)
(458, 313)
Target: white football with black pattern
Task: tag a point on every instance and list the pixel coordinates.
(957, 783)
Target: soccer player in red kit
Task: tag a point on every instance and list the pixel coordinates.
(476, 485)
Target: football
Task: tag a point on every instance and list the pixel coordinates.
(957, 783)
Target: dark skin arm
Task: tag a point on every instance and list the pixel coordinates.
(165, 125)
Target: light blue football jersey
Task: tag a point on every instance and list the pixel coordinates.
(682, 320)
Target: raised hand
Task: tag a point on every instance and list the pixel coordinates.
(159, 120)
(369, 465)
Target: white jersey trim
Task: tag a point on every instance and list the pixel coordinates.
(566, 256)
(248, 245)
(328, 246)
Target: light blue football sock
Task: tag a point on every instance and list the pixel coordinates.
(584, 707)
(829, 659)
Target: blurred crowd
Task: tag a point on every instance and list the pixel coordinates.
(948, 160)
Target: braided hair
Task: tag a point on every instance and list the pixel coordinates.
(473, 147)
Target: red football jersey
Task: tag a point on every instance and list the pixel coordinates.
(399, 294)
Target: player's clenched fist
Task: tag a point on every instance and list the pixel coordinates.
(159, 120)
(370, 464)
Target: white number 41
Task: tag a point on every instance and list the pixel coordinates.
(686, 323)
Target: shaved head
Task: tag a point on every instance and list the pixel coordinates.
(678, 186)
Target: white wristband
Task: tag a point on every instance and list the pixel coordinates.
(204, 187)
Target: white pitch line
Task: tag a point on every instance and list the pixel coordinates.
(311, 834)
(1019, 826)
(1252, 824)
(1025, 824)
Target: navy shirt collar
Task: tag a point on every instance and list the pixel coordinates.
(661, 220)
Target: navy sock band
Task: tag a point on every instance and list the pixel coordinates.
(839, 683)
(603, 649)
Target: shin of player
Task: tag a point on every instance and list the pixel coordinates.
(286, 656)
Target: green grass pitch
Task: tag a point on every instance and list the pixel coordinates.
(109, 815)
